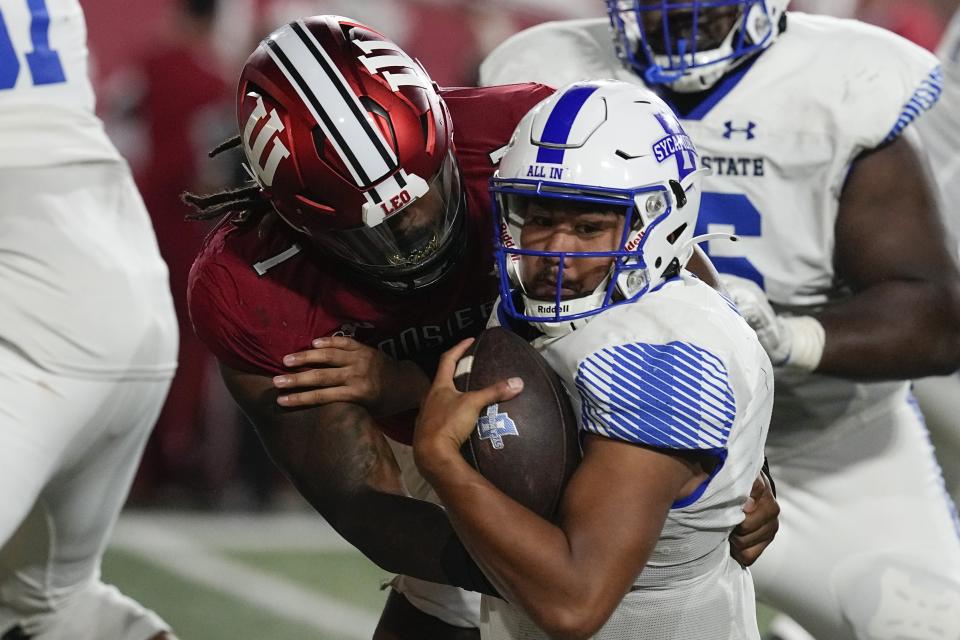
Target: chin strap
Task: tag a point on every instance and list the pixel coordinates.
(539, 308)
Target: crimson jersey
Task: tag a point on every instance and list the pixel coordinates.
(255, 297)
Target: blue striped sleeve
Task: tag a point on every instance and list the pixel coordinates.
(673, 396)
(922, 100)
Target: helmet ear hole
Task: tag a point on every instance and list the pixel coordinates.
(319, 141)
(672, 238)
(672, 269)
(381, 117)
(679, 193)
(425, 128)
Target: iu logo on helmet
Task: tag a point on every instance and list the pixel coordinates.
(383, 54)
(264, 169)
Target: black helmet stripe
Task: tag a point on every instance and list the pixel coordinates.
(334, 106)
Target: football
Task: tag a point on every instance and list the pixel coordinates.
(527, 447)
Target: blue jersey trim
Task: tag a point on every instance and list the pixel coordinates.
(712, 97)
(922, 100)
(672, 396)
(950, 504)
(560, 122)
(700, 490)
(666, 282)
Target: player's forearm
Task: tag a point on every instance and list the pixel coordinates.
(343, 466)
(361, 499)
(408, 387)
(346, 471)
(410, 537)
(895, 330)
(527, 558)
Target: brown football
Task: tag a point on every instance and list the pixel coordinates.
(527, 447)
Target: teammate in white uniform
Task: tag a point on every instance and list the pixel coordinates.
(598, 196)
(87, 336)
(804, 121)
(939, 397)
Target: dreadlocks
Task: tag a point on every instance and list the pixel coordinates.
(246, 201)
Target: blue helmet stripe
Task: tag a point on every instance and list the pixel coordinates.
(560, 122)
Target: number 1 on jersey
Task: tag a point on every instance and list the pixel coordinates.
(44, 62)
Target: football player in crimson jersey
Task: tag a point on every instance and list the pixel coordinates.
(383, 251)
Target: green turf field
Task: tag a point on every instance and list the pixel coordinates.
(223, 577)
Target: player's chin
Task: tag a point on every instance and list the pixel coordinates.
(548, 291)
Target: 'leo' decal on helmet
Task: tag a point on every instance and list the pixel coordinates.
(392, 57)
(263, 170)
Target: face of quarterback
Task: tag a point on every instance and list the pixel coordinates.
(707, 27)
(558, 225)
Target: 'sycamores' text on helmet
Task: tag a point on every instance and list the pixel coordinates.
(691, 44)
(349, 139)
(611, 145)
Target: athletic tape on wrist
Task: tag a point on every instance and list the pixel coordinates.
(808, 339)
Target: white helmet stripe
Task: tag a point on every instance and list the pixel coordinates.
(391, 56)
(333, 104)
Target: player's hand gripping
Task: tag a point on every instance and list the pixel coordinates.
(760, 525)
(792, 341)
(447, 416)
(350, 371)
(752, 303)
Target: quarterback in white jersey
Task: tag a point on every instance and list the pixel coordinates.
(597, 202)
(841, 267)
(88, 336)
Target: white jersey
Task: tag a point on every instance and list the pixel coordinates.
(46, 100)
(679, 369)
(941, 130)
(779, 135)
(83, 289)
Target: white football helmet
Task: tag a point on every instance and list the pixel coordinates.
(611, 144)
(691, 44)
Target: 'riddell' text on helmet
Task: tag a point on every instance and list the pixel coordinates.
(350, 141)
(690, 44)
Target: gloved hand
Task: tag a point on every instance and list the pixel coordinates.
(774, 335)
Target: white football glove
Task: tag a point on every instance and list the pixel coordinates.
(794, 341)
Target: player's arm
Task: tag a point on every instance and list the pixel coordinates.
(341, 463)
(569, 577)
(903, 318)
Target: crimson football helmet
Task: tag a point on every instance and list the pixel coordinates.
(349, 139)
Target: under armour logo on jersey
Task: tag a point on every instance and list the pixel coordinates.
(382, 54)
(747, 130)
(494, 425)
(264, 170)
